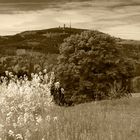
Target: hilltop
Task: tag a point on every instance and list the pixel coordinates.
(46, 41)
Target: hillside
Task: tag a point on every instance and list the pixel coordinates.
(37, 49)
(46, 41)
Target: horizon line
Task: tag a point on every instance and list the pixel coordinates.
(19, 32)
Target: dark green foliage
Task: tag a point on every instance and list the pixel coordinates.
(27, 63)
(46, 41)
(89, 63)
(87, 55)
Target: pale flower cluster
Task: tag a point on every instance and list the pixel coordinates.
(25, 105)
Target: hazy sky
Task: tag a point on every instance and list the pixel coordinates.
(120, 18)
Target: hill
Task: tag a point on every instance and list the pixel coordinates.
(38, 48)
(46, 41)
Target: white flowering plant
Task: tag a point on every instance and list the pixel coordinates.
(25, 106)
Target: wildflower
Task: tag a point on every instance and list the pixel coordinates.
(40, 73)
(45, 71)
(55, 118)
(32, 75)
(6, 73)
(25, 77)
(46, 78)
(57, 85)
(11, 133)
(48, 118)
(43, 138)
(9, 114)
(2, 78)
(16, 77)
(11, 74)
(19, 137)
(39, 119)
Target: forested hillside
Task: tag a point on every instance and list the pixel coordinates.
(38, 48)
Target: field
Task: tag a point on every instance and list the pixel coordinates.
(105, 120)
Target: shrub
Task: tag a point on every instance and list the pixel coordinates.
(88, 63)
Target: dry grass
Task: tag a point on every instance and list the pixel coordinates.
(105, 120)
(135, 95)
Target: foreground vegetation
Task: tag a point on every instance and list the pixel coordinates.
(27, 112)
(105, 120)
(25, 106)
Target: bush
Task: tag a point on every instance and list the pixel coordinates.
(89, 63)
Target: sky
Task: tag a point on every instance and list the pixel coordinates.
(120, 18)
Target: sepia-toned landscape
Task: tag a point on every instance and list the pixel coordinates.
(69, 70)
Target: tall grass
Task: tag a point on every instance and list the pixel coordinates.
(105, 120)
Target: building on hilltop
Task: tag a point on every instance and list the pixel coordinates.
(64, 27)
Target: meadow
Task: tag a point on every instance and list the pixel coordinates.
(28, 113)
(104, 120)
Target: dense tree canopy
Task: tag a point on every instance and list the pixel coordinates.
(89, 64)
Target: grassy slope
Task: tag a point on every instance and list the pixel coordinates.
(105, 120)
